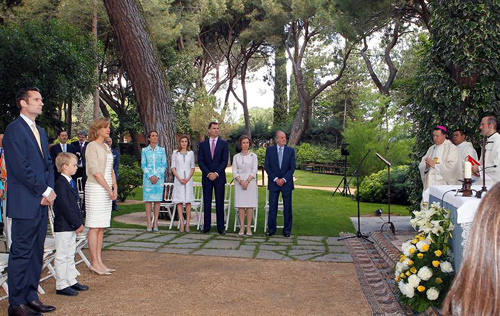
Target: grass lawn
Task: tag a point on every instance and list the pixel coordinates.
(317, 179)
(315, 212)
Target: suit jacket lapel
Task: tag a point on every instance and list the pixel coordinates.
(70, 188)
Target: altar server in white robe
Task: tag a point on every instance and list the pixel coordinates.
(464, 147)
(440, 165)
(492, 151)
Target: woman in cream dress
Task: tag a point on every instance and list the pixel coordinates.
(245, 166)
(183, 170)
(100, 191)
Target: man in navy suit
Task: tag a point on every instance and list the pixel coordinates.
(80, 146)
(213, 155)
(62, 147)
(280, 166)
(30, 184)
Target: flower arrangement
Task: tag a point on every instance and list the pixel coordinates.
(424, 272)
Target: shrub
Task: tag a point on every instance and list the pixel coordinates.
(307, 153)
(130, 177)
(373, 188)
(261, 155)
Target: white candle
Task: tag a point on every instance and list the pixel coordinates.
(467, 170)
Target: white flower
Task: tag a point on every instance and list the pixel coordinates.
(406, 289)
(413, 280)
(407, 252)
(432, 294)
(446, 267)
(420, 245)
(424, 273)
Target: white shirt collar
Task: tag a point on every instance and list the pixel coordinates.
(27, 120)
(212, 139)
(67, 177)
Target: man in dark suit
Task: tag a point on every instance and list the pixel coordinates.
(30, 183)
(62, 147)
(80, 146)
(280, 166)
(213, 155)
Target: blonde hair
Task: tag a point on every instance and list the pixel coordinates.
(475, 290)
(64, 159)
(97, 124)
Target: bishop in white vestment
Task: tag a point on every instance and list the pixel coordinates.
(440, 165)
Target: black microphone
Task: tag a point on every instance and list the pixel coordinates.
(442, 198)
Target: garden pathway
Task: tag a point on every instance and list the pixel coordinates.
(303, 248)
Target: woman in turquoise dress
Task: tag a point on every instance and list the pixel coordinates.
(154, 165)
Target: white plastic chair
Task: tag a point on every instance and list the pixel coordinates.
(196, 205)
(49, 252)
(4, 257)
(280, 210)
(167, 206)
(255, 214)
(80, 188)
(228, 191)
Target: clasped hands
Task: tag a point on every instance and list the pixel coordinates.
(212, 176)
(280, 182)
(429, 163)
(153, 179)
(244, 184)
(49, 200)
(183, 181)
(113, 193)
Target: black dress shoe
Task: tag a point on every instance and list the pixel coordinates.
(286, 235)
(69, 291)
(38, 306)
(269, 234)
(79, 287)
(22, 310)
(205, 231)
(222, 232)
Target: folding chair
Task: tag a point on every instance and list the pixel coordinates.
(4, 262)
(228, 191)
(197, 204)
(280, 210)
(167, 205)
(255, 214)
(49, 253)
(81, 239)
(80, 188)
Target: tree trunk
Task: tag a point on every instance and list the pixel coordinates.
(280, 84)
(135, 144)
(301, 120)
(94, 33)
(143, 64)
(69, 114)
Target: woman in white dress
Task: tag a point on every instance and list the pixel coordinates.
(183, 170)
(246, 192)
(100, 191)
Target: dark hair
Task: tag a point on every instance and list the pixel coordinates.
(460, 131)
(181, 138)
(243, 137)
(61, 131)
(23, 94)
(212, 123)
(151, 132)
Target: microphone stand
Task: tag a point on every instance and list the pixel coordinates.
(358, 232)
(391, 224)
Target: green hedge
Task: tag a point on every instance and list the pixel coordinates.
(307, 153)
(373, 188)
(130, 176)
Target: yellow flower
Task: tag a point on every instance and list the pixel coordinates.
(408, 273)
(413, 270)
(420, 255)
(402, 275)
(411, 250)
(414, 241)
(410, 263)
(439, 280)
(425, 247)
(421, 288)
(398, 279)
(438, 253)
(402, 258)
(435, 263)
(421, 238)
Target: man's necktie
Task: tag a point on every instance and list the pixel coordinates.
(280, 155)
(64, 148)
(72, 184)
(37, 136)
(212, 148)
